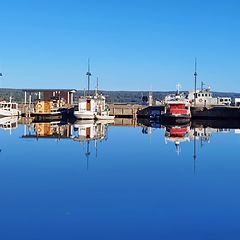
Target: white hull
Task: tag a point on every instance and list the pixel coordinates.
(105, 122)
(104, 117)
(11, 113)
(86, 115)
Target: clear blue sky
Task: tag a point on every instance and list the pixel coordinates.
(133, 45)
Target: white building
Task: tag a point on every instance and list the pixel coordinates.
(204, 97)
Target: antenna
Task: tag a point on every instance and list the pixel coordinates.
(178, 86)
(195, 82)
(88, 75)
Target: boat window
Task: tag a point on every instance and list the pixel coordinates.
(221, 100)
(206, 95)
(199, 95)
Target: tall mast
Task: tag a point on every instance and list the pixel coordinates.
(194, 151)
(195, 82)
(88, 76)
(97, 88)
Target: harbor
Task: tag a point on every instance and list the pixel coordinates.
(41, 110)
(178, 107)
(119, 120)
(59, 104)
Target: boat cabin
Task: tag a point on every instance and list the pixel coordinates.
(204, 97)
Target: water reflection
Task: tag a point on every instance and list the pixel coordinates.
(94, 131)
(55, 130)
(196, 130)
(9, 123)
(78, 131)
(177, 134)
(44, 178)
(90, 130)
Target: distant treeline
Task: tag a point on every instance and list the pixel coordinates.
(112, 96)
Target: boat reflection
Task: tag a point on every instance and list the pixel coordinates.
(90, 130)
(177, 134)
(196, 130)
(55, 130)
(85, 130)
(9, 123)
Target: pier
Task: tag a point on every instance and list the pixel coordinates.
(120, 110)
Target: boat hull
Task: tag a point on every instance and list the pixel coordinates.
(5, 113)
(104, 117)
(176, 119)
(84, 115)
(47, 116)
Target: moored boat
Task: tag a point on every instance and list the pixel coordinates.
(177, 109)
(86, 108)
(102, 110)
(9, 109)
(49, 111)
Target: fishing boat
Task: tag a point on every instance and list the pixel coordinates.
(92, 107)
(86, 108)
(9, 109)
(102, 109)
(177, 109)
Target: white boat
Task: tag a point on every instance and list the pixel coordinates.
(93, 107)
(86, 108)
(102, 109)
(204, 98)
(9, 109)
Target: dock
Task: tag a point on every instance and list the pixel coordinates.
(120, 110)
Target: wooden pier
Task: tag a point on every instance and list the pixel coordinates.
(120, 110)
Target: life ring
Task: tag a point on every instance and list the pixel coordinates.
(39, 105)
(200, 100)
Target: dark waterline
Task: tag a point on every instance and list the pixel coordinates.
(128, 183)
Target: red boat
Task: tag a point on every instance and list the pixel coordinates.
(177, 111)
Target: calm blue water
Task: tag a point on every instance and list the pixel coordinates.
(129, 185)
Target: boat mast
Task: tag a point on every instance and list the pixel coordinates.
(194, 151)
(97, 87)
(88, 75)
(195, 82)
